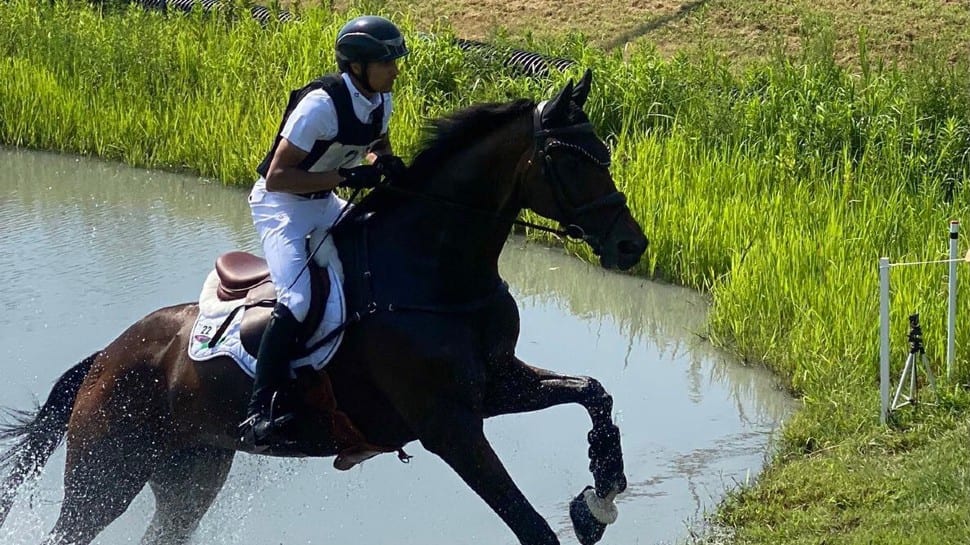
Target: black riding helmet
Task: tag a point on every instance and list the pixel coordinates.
(369, 38)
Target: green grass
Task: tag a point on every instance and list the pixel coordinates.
(775, 187)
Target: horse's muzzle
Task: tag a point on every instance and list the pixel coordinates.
(623, 253)
(619, 242)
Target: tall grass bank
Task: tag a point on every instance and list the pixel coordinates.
(775, 189)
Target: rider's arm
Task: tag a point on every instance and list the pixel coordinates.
(283, 174)
(314, 118)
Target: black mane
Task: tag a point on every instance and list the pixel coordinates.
(460, 130)
(443, 138)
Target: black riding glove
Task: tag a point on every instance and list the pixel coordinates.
(364, 176)
(391, 166)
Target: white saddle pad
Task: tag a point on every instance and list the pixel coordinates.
(213, 312)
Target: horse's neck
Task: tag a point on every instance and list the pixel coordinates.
(481, 184)
(454, 223)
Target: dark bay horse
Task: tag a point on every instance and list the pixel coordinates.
(431, 357)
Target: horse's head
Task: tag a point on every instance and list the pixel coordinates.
(569, 180)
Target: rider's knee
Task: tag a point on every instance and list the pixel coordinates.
(283, 312)
(296, 304)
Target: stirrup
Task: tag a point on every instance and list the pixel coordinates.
(259, 430)
(281, 420)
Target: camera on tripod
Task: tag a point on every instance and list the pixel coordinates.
(915, 335)
(917, 358)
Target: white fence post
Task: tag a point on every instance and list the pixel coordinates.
(884, 338)
(952, 304)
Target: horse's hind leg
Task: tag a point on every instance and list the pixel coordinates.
(115, 437)
(515, 387)
(100, 481)
(185, 485)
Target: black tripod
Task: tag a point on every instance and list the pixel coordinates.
(916, 351)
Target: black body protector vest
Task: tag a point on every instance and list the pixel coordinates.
(353, 141)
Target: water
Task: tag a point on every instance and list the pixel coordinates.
(88, 247)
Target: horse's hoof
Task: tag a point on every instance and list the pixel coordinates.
(590, 523)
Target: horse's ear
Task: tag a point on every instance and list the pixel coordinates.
(558, 108)
(581, 92)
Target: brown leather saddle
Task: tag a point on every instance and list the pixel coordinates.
(243, 275)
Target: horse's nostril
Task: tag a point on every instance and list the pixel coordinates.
(630, 247)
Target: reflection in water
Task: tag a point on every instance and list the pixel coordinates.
(670, 318)
(95, 188)
(154, 208)
(88, 247)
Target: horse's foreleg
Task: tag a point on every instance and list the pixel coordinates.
(461, 443)
(516, 387)
(185, 485)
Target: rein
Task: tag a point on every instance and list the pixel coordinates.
(571, 231)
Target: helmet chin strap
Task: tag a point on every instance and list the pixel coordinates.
(364, 79)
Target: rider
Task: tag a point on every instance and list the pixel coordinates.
(329, 128)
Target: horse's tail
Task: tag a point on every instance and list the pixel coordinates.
(37, 433)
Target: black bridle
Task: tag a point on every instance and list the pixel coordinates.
(545, 141)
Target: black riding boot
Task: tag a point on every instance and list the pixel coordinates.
(279, 342)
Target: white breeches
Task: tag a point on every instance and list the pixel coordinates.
(283, 223)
